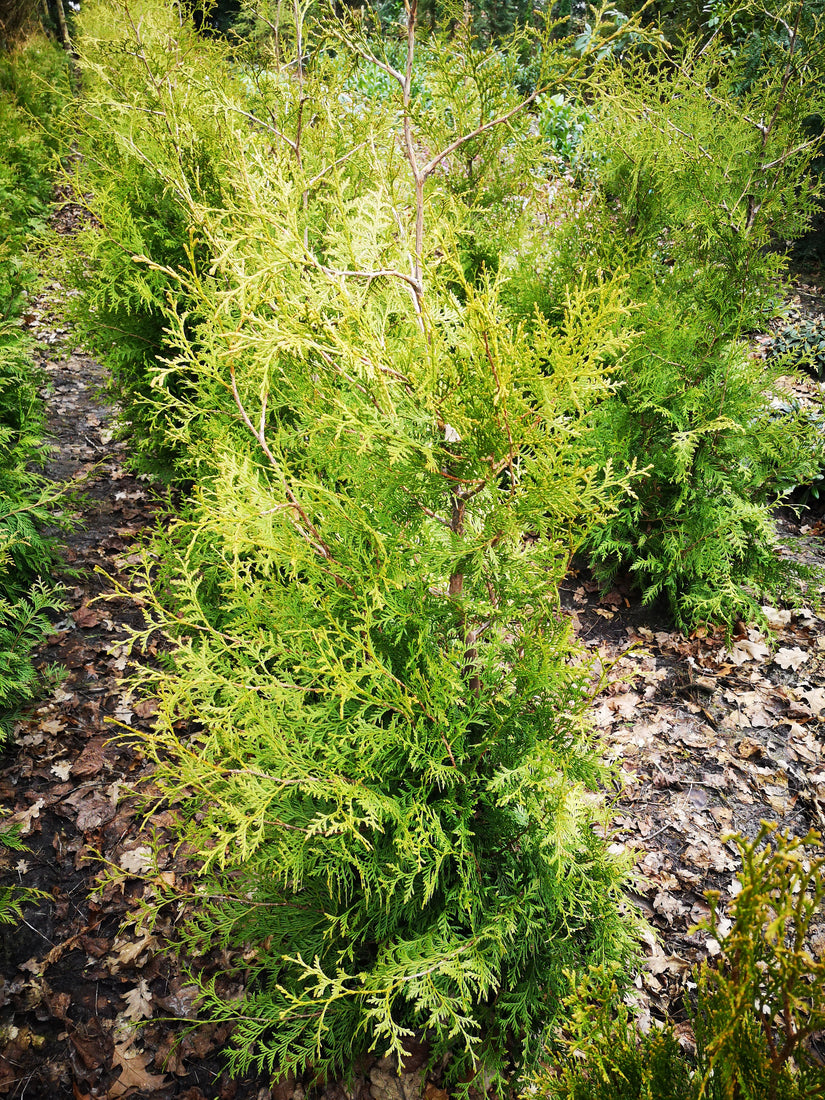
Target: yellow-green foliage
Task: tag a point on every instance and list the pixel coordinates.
(700, 185)
(757, 1005)
(373, 719)
(26, 556)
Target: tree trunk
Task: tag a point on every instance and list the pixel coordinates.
(63, 30)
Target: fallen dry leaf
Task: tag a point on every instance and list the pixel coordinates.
(128, 951)
(85, 617)
(747, 650)
(24, 818)
(139, 1001)
(748, 748)
(146, 708)
(624, 704)
(91, 760)
(668, 906)
(777, 618)
(93, 813)
(137, 861)
(793, 658)
(134, 1072)
(815, 698)
(433, 1093)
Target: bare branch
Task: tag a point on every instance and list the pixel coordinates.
(305, 528)
(510, 450)
(431, 165)
(315, 179)
(265, 125)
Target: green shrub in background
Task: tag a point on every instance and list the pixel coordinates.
(801, 346)
(373, 720)
(166, 123)
(757, 1005)
(698, 187)
(26, 556)
(32, 78)
(33, 88)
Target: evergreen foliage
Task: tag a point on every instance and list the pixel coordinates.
(13, 898)
(32, 85)
(698, 186)
(802, 346)
(373, 720)
(756, 1008)
(317, 289)
(26, 555)
(166, 124)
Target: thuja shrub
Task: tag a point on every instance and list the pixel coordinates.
(757, 1006)
(156, 116)
(372, 723)
(699, 186)
(26, 553)
(26, 160)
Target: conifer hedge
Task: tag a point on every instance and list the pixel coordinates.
(27, 593)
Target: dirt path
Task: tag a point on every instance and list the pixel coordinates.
(712, 736)
(75, 986)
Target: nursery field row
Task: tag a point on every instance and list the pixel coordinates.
(412, 341)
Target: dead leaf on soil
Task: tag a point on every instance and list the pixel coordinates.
(748, 748)
(91, 760)
(777, 618)
(93, 813)
(747, 650)
(668, 906)
(24, 818)
(657, 962)
(139, 1001)
(137, 861)
(602, 716)
(128, 951)
(815, 698)
(793, 658)
(85, 616)
(433, 1093)
(134, 1072)
(625, 704)
(146, 708)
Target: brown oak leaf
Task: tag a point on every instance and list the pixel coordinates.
(134, 1073)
